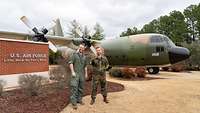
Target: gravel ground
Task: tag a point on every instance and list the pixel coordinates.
(50, 100)
(168, 93)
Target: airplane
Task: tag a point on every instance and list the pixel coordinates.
(150, 50)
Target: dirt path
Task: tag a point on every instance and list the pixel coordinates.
(170, 93)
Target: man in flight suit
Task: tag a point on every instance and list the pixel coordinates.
(100, 66)
(77, 63)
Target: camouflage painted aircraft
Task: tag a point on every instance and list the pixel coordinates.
(149, 50)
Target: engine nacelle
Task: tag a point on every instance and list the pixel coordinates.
(66, 52)
(77, 41)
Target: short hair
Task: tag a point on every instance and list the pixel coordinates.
(82, 44)
(97, 47)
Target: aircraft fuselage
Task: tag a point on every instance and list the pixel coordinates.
(143, 50)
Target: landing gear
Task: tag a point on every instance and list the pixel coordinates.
(153, 70)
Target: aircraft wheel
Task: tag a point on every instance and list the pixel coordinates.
(153, 70)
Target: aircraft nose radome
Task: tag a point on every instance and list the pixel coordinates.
(177, 54)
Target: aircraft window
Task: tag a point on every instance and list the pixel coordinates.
(169, 42)
(161, 39)
(159, 49)
(156, 39)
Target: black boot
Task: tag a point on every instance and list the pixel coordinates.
(92, 102)
(74, 106)
(81, 102)
(105, 99)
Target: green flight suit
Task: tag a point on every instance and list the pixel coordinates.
(99, 76)
(77, 83)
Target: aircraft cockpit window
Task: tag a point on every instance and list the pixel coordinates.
(156, 39)
(169, 42)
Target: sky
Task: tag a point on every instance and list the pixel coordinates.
(115, 16)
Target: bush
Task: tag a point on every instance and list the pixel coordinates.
(31, 84)
(54, 57)
(165, 68)
(128, 73)
(178, 67)
(141, 72)
(193, 63)
(2, 84)
(59, 74)
(115, 72)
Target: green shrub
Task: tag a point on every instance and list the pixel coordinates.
(60, 75)
(31, 84)
(193, 63)
(54, 57)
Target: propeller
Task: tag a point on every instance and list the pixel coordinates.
(86, 40)
(39, 34)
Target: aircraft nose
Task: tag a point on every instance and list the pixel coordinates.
(177, 54)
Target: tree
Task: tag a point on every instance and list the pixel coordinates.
(193, 62)
(74, 25)
(197, 13)
(152, 27)
(130, 31)
(164, 25)
(179, 27)
(190, 16)
(98, 34)
(173, 26)
(86, 31)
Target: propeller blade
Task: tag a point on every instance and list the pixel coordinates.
(39, 35)
(93, 50)
(52, 47)
(25, 20)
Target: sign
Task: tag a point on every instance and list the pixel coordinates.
(26, 57)
(18, 56)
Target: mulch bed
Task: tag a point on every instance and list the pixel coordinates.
(52, 101)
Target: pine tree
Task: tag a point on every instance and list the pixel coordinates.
(74, 25)
(98, 34)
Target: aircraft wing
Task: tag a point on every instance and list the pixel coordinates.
(57, 40)
(14, 35)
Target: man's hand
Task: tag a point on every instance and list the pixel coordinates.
(73, 74)
(86, 76)
(109, 67)
(71, 66)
